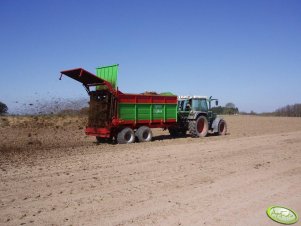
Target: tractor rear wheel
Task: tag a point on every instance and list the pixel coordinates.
(144, 134)
(126, 136)
(222, 127)
(198, 127)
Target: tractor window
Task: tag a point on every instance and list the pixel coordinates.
(181, 105)
(184, 105)
(200, 105)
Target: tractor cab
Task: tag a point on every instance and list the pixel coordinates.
(192, 106)
(193, 103)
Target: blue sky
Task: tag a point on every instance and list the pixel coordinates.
(245, 52)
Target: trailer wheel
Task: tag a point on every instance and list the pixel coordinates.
(222, 127)
(126, 136)
(144, 134)
(198, 127)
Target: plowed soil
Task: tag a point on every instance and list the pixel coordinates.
(52, 174)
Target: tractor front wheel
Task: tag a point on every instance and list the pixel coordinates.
(222, 127)
(198, 127)
(126, 136)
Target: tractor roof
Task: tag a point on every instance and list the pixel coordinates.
(192, 97)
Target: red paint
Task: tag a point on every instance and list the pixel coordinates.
(146, 99)
(101, 132)
(88, 79)
(146, 122)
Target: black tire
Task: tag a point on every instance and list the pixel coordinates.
(126, 136)
(144, 134)
(198, 127)
(222, 127)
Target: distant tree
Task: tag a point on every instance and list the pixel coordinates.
(218, 110)
(229, 109)
(230, 105)
(3, 108)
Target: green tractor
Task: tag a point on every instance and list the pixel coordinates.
(195, 115)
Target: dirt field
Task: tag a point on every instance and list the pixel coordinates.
(52, 174)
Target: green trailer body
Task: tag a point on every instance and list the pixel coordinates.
(147, 112)
(150, 109)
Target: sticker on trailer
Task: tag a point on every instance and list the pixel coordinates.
(157, 109)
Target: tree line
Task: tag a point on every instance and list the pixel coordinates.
(286, 111)
(228, 109)
(289, 110)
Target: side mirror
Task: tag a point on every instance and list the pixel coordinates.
(216, 102)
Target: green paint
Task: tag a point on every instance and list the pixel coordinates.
(282, 215)
(108, 73)
(147, 111)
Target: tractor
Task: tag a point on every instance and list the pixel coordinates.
(195, 115)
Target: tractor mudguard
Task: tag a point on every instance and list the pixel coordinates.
(214, 125)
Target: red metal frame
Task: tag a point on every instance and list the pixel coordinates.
(146, 99)
(88, 79)
(101, 132)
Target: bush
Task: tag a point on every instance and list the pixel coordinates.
(225, 110)
(3, 108)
